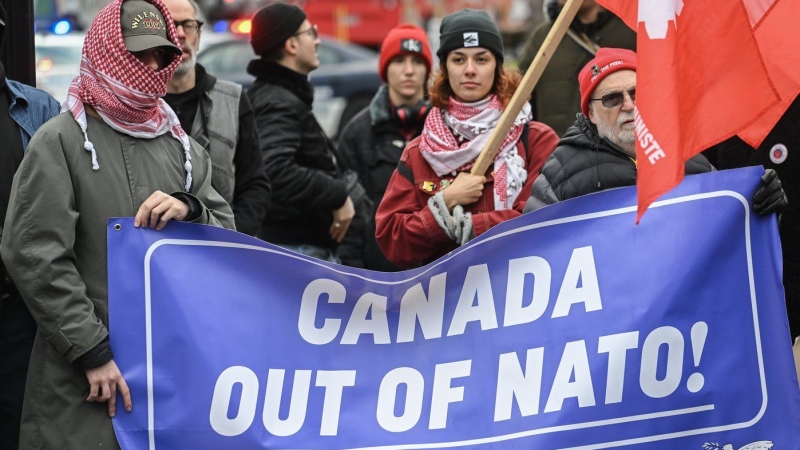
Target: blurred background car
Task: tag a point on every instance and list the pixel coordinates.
(58, 59)
(344, 83)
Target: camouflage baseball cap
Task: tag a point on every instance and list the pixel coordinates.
(143, 27)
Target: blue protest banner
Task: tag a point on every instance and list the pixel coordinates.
(569, 328)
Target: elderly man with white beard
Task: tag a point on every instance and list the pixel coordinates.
(220, 118)
(598, 152)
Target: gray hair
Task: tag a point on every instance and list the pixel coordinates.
(198, 13)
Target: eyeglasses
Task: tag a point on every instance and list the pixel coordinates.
(190, 26)
(615, 99)
(311, 31)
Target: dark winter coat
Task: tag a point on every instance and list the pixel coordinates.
(584, 163)
(779, 151)
(556, 98)
(371, 145)
(299, 159)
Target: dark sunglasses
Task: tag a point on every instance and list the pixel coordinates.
(312, 31)
(615, 99)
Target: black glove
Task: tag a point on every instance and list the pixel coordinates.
(770, 198)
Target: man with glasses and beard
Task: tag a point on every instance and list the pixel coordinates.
(220, 118)
(599, 151)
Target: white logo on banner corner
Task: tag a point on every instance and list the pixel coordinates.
(656, 15)
(760, 445)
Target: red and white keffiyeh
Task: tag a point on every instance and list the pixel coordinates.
(124, 91)
(453, 138)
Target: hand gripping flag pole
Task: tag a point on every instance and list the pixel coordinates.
(526, 86)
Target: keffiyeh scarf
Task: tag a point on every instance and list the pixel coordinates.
(453, 138)
(124, 91)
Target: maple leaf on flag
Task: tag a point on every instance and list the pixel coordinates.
(707, 71)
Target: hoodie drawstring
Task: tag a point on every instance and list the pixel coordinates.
(87, 144)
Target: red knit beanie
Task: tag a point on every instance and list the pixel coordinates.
(404, 39)
(605, 62)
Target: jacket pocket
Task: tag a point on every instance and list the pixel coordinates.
(231, 144)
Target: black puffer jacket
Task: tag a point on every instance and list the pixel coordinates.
(300, 160)
(371, 145)
(584, 163)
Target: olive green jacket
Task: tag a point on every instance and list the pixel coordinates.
(557, 99)
(54, 247)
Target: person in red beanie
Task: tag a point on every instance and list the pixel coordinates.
(433, 204)
(371, 144)
(598, 152)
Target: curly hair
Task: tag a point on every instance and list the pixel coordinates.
(505, 84)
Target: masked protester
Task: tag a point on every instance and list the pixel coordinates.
(433, 204)
(118, 151)
(23, 110)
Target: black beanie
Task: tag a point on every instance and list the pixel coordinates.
(272, 25)
(469, 28)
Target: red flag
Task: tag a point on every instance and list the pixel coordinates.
(775, 27)
(702, 79)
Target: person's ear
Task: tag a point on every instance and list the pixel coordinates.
(291, 46)
(591, 113)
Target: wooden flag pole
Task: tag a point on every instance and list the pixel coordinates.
(525, 88)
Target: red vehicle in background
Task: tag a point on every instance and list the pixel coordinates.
(366, 22)
(363, 22)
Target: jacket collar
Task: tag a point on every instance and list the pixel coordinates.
(583, 133)
(16, 93)
(379, 106)
(18, 106)
(274, 73)
(203, 80)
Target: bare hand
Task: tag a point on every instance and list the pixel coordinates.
(104, 381)
(466, 189)
(341, 220)
(159, 209)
